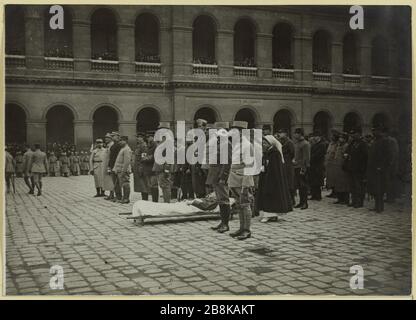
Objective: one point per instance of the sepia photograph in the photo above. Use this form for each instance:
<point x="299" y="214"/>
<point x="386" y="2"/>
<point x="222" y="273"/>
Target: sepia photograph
<point x="206" y="150"/>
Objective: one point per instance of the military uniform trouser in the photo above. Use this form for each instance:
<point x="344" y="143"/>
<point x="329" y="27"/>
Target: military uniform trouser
<point x="301" y="183"/>
<point x="123" y="181"/>
<point x="117" y="185"/>
<point x="243" y="206"/>
<point x="357" y="190"/>
<point x="165" y="183"/>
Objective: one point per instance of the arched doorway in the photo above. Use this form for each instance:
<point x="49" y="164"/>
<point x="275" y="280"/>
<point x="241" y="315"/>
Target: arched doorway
<point x="207" y="114"/>
<point x="247" y="115"/>
<point x="283" y="120"/>
<point x="147" y="120"/>
<point x="59" y="125"/>
<point x="105" y="120"/>
<point x="351" y="121"/>
<point x="322" y="123"/>
<point x="15" y="124"/>
<point x="380" y="119"/>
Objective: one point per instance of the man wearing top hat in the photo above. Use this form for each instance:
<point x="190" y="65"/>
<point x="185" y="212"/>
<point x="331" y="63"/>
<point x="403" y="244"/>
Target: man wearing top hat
<point x="239" y="183"/>
<point x="301" y="164"/>
<point x="108" y="183"/>
<point x="114" y="150"/>
<point x="122" y="168"/>
<point x="96" y="166"/>
<point x="356" y="157"/>
<point x="380" y="160"/>
<point x="164" y="171"/>
<point x="141" y="182"/>
<point x="218" y="175"/>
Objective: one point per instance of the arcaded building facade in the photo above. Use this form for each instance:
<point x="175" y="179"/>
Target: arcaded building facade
<point x="128" y="67"/>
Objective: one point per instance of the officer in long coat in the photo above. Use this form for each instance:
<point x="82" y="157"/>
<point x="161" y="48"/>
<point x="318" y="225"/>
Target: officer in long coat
<point x="84" y="163"/>
<point x="317" y="165"/>
<point x="141" y="182"/>
<point x="356" y="166"/>
<point x="108" y="184"/>
<point x="288" y="150"/>
<point x="53" y="164"/>
<point x="64" y="161"/>
<point x="148" y="162"/>
<point x="240" y="182"/>
<point x="19" y="164"/>
<point x="198" y="174"/>
<point x="218" y="175"/>
<point x="341" y="181"/>
<point x="28" y="178"/>
<point x="301" y="164"/>
<point x="329" y="163"/>
<point x="380" y="159"/>
<point x="96" y="165"/>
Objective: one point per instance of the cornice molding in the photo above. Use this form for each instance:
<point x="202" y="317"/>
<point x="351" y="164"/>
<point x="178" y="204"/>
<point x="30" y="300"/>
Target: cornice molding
<point x="178" y="84"/>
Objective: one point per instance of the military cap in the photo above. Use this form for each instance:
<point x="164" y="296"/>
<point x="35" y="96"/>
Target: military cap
<point x="108" y="135"/>
<point x="124" y="138"/>
<point x="201" y="122"/>
<point x="221" y="125"/>
<point x="115" y="133"/>
<point x="239" y="124"/>
<point x="300" y="131"/>
<point x="98" y="140"/>
<point x="282" y="130"/>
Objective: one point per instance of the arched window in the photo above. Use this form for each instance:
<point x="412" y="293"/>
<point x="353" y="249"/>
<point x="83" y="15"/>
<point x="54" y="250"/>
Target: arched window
<point x="350" y="54"/>
<point x="207" y="114"/>
<point x="147" y="38"/>
<point x="282" y="46"/>
<point x="203" y="40"/>
<point x="247" y="115"/>
<point x="380" y="119"/>
<point x="379" y="57"/>
<point x="58" y="42"/>
<point x="105" y="119"/>
<point x="15" y="124"/>
<point x="147" y="120"/>
<point x="60" y="125"/>
<point x="104" y="35"/>
<point x="351" y="121"/>
<point x="322" y="123"/>
<point x="15" y="30"/>
<point x="244" y="43"/>
<point x="283" y="120"/>
<point x="321" y="52"/>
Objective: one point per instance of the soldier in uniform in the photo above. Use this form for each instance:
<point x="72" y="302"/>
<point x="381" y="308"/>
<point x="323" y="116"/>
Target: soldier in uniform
<point x="84" y="163"/>
<point x="141" y="183"/>
<point x="114" y="150"/>
<point x="164" y="173"/>
<point x="10" y="165"/>
<point x="26" y="170"/>
<point x="329" y="163"/>
<point x="317" y="165"/>
<point x="341" y="181"/>
<point x="96" y="165"/>
<point x="198" y="175"/>
<point x="301" y="164"/>
<point x="218" y="175"/>
<point x="19" y="164"/>
<point x="63" y="159"/>
<point x="76" y="169"/>
<point x="108" y="184"/>
<point x="53" y="164"/>
<point x="288" y="150"/>
<point x="122" y="167"/>
<point x="38" y="166"/>
<point x="239" y="183"/>
<point x="148" y="161"/>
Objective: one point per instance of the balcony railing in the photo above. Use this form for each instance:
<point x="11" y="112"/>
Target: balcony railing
<point x="351" y="78"/>
<point x="380" y="80"/>
<point x="283" y="73"/>
<point x="104" y="65"/>
<point x="59" y="63"/>
<point x="148" y="67"/>
<point x="15" y="61"/>
<point x="321" y="76"/>
<point x="245" y="71"/>
<point x="205" y="69"/>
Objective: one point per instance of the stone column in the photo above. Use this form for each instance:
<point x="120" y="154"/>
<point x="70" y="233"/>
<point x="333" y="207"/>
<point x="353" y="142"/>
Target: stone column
<point x="337" y="63"/>
<point x="306" y="58"/>
<point x="225" y="52"/>
<point x="83" y="134"/>
<point x="36" y="132"/>
<point x="264" y="49"/>
<point x="128" y="128"/>
<point x="34" y="37"/>
<point x="126" y="48"/>
<point x="365" y="65"/>
<point x="182" y="50"/>
<point x="82" y="44"/>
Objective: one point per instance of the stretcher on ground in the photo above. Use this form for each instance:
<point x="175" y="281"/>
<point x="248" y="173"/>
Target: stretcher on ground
<point x="199" y="209"/>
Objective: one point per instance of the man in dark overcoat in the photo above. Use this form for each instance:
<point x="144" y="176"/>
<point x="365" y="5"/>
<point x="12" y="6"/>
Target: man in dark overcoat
<point x="317" y="168"/>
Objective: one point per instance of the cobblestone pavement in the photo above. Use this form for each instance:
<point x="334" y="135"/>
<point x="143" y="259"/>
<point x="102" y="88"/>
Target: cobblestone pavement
<point x="306" y="252"/>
